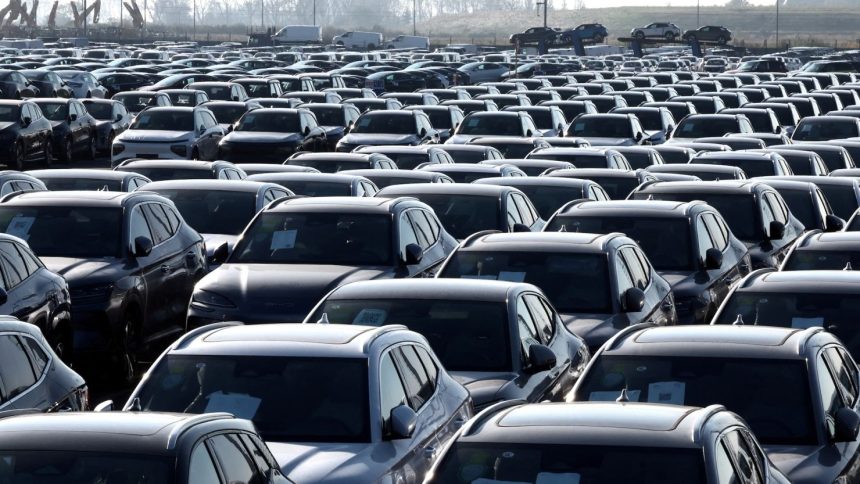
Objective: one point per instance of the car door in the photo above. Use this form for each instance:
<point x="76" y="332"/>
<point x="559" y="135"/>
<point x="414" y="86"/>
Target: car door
<point x="745" y="460"/>
<point x="205" y="135"/>
<point x="562" y="377"/>
<point x="174" y="272"/>
<point x="154" y="297"/>
<point x="404" y="456"/>
<point x="77" y="125"/>
<point x="780" y="214"/>
<point x="639" y="272"/>
<point x="428" y="231"/>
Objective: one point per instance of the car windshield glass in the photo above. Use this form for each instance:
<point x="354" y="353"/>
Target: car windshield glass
<point x="580" y="160"/>
<point x="439" y="119"/>
<point x="289" y="399"/>
<point x="800" y="204"/>
<point x="271" y="121"/>
<point x="317" y="238"/>
<point x="100" y="111"/>
<point x="772" y="395"/>
<point x="46" y="467"/>
<point x="666" y="241"/>
<point x="136" y="102"/>
<point x="317" y="188"/>
<point x="843" y="199"/>
<point x="463" y="215"/>
<point x="542" y="118"/>
<point x="220" y="93"/>
<point x="549" y="199"/>
<point x="164" y="121"/>
<point x="77" y="183"/>
<point x="706" y="127"/>
<point x="257" y="89"/>
<point x="469" y="463"/>
<point x="329" y="165"/>
<point x="167" y="173"/>
<point x="384" y="123"/>
<point x="466" y="156"/>
<point x="739" y="211"/>
<point x="616" y="187"/>
<point x="826" y="130"/>
<point x="512" y="150"/>
<point x="602" y="127"/>
<point x="226" y="114"/>
<point x="214" y="211"/>
<point x="465" y="335"/>
<point x="650" y="120"/>
<point x="8" y="114"/>
<point x="491" y="125"/>
<point x="54" y="111"/>
<point x="183" y="98"/>
<point x="66" y="231"/>
<point x="327" y="116"/>
<point x="557" y="274"/>
<point x="752" y="168"/>
<point x="408" y="161"/>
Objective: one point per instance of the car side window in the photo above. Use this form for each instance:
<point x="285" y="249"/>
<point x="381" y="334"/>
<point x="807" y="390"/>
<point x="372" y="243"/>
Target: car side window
<point x="526" y="212"/>
<point x="173" y="219"/>
<point x="638" y="271"/>
<point x="845" y="378"/>
<point x="407" y="233"/>
<point x="38" y="355"/>
<point x="234" y="461"/>
<point x="623" y="274"/>
<point x="767" y="214"/>
<point x="138" y="227"/>
<point x="744" y="457"/>
<point x="13" y="273"/>
<point x="703" y="238"/>
<point x="18" y="375"/>
<point x="422" y="229"/>
<point x="158" y="222"/>
<point x="718" y="233"/>
<point x="429" y="365"/>
<point x="513" y="213"/>
<point x="414" y="375"/>
<point x="827" y="388"/>
<point x="725" y="469"/>
<point x="391" y="392"/>
<point x="201" y="468"/>
<point x="254" y="450"/>
<point x="780" y="213"/>
<point x="527" y="328"/>
<point x="542" y="317"/>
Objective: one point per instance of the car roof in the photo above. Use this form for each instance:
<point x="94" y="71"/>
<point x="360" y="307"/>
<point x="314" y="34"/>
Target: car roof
<point x="129" y="165"/>
<point x="564" y="242"/>
<point x="535" y="181"/>
<point x="91" y="173"/>
<point x="725" y="186"/>
<point x="72" y="198"/>
<point x="633" y="208"/>
<point x="280" y="176"/>
<point x="436" y="289"/>
<point x="371" y="205"/>
<point x="824" y="282"/>
<point x="445" y="188"/>
<point x="595" y="172"/>
<point x="246" y="186"/>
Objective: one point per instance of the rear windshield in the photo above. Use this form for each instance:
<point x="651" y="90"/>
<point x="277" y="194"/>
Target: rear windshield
<point x="463" y="215"/>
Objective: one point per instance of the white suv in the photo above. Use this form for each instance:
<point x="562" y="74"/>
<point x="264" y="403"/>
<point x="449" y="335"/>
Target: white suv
<point x="169" y="133"/>
<point x="665" y="30"/>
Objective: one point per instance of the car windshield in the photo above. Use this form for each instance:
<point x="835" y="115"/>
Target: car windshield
<point x="513" y="149"/>
<point x="100" y="111"/>
<point x="54" y="111"/>
<point x="136" y="102"/>
<point x="164" y="121"/>
<point x="801" y="206"/>
<point x="465" y="156"/>
<point x="666" y="241"/>
<point x="317" y="238"/>
<point x="317" y="188"/>
<point x="616" y="187"/>
<point x="580" y="160"/>
<point x="330" y="165"/>
<point x="289" y="399"/>
<point x="557" y="274"/>
<point x="465" y="335"/>
<point x="217" y="93"/>
<point x="439" y="119"/>
<point x="48" y="467"/>
<point x="843" y="199"/>
<point x="826" y="130"/>
<point x="328" y="116"/>
<point x="752" y="168"/>
<point x="463" y="215"/>
<point x="651" y="120"/>
<point x="705" y="127"/>
<point x="226" y="114"/>
<point x="214" y="211"/>
<point x="739" y="211"/>
<point x="385" y="123"/>
<point x="270" y="121"/>
<point x="491" y="126"/>
<point x="772" y="395"/>
<point x="542" y="118"/>
<point x="8" y="114"/>
<point x="549" y="199"/>
<point x="77" y="183"/>
<point x="257" y="89"/>
<point x="408" y="161"/>
<point x="68" y="231"/>
<point x="468" y="463"/>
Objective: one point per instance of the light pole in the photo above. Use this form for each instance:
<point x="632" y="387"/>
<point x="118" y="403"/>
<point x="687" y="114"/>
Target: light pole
<point x="414" y="10"/>
<point x="698" y="8"/>
<point x="194" y="22"/>
<point x="315" y="12"/>
<point x="262" y="21"/>
<point x="777" y="24"/>
<point x="85" y="18"/>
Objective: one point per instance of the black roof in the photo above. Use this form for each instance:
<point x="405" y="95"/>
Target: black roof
<point x="77" y="198"/>
<point x="370" y="205"/>
<point x="418" y="189"/>
<point x="727" y="187"/>
<point x="450" y="289"/>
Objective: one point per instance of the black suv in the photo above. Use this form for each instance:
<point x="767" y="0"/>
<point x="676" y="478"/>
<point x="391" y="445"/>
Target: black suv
<point x="25" y="134"/>
<point x="689" y="244"/>
<point x="122" y="447"/>
<point x="535" y="34"/>
<point x="129" y="258"/>
<point x="709" y="33"/>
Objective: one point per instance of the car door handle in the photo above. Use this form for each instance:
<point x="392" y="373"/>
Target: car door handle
<point x="165" y="268"/>
<point x="429" y="452"/>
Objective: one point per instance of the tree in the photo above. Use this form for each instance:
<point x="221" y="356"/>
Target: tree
<point x="738" y="3"/>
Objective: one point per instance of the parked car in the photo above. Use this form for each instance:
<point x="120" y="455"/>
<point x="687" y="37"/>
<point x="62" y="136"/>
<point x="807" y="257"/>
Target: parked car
<point x="82" y="84"/>
<point x="72" y="127"/>
<point x="663" y="30"/>
<point x="169" y="132"/>
<point x="272" y="135"/>
<point x="111" y="118"/>
<point x="389" y="128"/>
<point x="89" y="179"/>
<point x="137" y="101"/>
<point x="25" y="134"/>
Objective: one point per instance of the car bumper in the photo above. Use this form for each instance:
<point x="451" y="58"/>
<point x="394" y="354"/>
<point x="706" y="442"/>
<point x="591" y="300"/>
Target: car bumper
<point x="155" y="151"/>
<point x="255" y="153"/>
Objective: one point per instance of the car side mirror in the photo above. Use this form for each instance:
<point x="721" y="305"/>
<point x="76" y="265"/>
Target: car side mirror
<point x="73" y="117"/>
<point x="118" y="118"/>
<point x="423" y="132"/>
<point x="229" y="128"/>
<point x="412" y="254"/>
<point x="403" y="421"/>
<point x="713" y="259"/>
<point x="307" y="130"/>
<point x="26" y="121"/>
<point x="541" y="358"/>
<point x="521" y="228"/>
<point x="832" y="223"/>
<point x="142" y="246"/>
<point x="201" y="129"/>
<point x="846" y="425"/>
<point x="529" y="133"/>
<point x="639" y="136"/>
<point x="28" y="92"/>
<point x="105" y="406"/>
<point x="633" y="300"/>
<point x="219" y="255"/>
<point x="235" y="98"/>
<point x="4" y="296"/>
<point x="776" y="230"/>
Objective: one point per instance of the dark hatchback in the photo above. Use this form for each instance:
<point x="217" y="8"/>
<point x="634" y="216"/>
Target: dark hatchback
<point x="272" y="135"/>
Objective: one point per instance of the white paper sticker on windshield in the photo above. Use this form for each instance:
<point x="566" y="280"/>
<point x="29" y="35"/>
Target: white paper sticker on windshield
<point x="283" y="239"/>
<point x="557" y="478"/>
<point x="612" y="395"/>
<point x="237" y="404"/>
<point x="488" y="277"/>
<point x="370" y="317"/>
<point x="668" y="392"/>
<point x="20" y="226"/>
<point x="803" y="323"/>
<point x="512" y="276"/>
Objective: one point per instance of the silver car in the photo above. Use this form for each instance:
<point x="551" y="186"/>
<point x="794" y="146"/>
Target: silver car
<point x="335" y="403"/>
<point x="484" y="71"/>
<point x="83" y="84"/>
<point x="169" y="133"/>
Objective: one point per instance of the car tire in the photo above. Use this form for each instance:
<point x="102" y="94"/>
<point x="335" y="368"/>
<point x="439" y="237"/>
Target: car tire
<point x="670" y="36"/>
<point x="93" y="151"/>
<point x="721" y="40"/>
<point x="371" y="46"/>
<point x="690" y="38"/>
<point x="195" y="155"/>
<point x="127" y="347"/>
<point x="47" y="154"/>
<point x="17" y="161"/>
<point x="65" y="154"/>
<point x="60" y="341"/>
<point x="109" y="142"/>
<point x="639" y="35"/>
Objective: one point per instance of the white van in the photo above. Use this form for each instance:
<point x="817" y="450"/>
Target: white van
<point x="358" y="40"/>
<point x="299" y="34"/>
<point x="408" y="42"/>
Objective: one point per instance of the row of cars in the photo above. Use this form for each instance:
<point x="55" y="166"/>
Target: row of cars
<point x="664" y="31"/>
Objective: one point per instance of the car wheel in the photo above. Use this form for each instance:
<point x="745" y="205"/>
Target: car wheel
<point x="18" y="157"/>
<point x="47" y="154"/>
<point x="721" y="40"/>
<point x="93" y="151"/>
<point x="691" y="38"/>
<point x="60" y="341"/>
<point x="195" y="155"/>
<point x="126" y="369"/>
<point x="65" y="154"/>
<point x="109" y="142"/>
<point x="670" y="36"/>
<point x="639" y="34"/>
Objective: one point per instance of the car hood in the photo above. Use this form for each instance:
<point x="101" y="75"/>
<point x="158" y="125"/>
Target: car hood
<point x="379" y="139"/>
<point x="154" y="136"/>
<point x="803" y="464"/>
<point x="595" y="329"/>
<point x="461" y="139"/>
<point x="601" y="141"/>
<point x="328" y="462"/>
<point x="333" y="130"/>
<point x="85" y="271"/>
<point x="261" y="137"/>
<point x="484" y="387"/>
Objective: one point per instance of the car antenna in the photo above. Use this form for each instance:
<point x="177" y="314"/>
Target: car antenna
<point x="739" y="321"/>
<point x="848" y="267"/>
<point x="623" y="398"/>
<point x="323" y="319"/>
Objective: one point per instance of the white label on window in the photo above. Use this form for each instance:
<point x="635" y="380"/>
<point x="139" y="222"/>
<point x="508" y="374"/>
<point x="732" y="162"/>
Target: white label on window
<point x="20" y="226"/>
<point x="283" y="239"/>
<point x="803" y="323"/>
<point x="668" y="392"/>
<point x="370" y="317"/>
<point x="238" y="404"/>
<point x="512" y="276"/>
<point x="612" y="395"/>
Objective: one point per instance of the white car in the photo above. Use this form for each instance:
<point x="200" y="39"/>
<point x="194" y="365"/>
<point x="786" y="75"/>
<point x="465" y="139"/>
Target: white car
<point x="169" y="133"/>
<point x="666" y="30"/>
<point x="83" y="84"/>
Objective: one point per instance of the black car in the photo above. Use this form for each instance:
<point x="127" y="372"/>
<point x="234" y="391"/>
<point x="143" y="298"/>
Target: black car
<point x="834" y="157"/>
<point x="842" y="193"/>
<point x="111" y="118"/>
<point x="13" y="85"/>
<point x="494" y="123"/>
<point x="583" y="158"/>
<point x="220" y="91"/>
<point x="25" y="134"/>
<point x="389" y="128"/>
<point x="298" y="249"/>
<point x="535" y="34"/>
<point x="385" y="178"/>
<point x="618" y="184"/>
<point x="117" y="82"/>
<point x="469" y="153"/>
<point x="755" y="213"/>
<point x="137" y="101"/>
<point x="74" y="129"/>
<point x="130" y="261"/>
<point x="640" y="157"/>
<point x="90" y="179"/>
<point x="821" y="251"/>
<point x="808" y="203"/>
<point x="501" y="340"/>
<point x="708" y="33"/>
<point x="364" y="104"/>
<point x="753" y="164"/>
<point x="656" y="122"/>
<point x="445" y="119"/>
<point x="335" y="119"/>
<point x="137" y="447"/>
<point x="49" y="83"/>
<point x="689" y="244"/>
<point x="272" y="135"/>
<point x="410" y="157"/>
<point x="531" y="167"/>
<point x="307" y="97"/>
<point x="469" y="172"/>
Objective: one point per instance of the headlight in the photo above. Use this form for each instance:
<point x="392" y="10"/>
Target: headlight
<point x="180" y="150"/>
<point x="101" y="292"/>
<point x="117" y="148"/>
<point x="207" y="298"/>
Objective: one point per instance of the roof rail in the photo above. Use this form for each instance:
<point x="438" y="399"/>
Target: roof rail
<point x="191" y="422"/>
<point x="752" y="275"/>
<point x="472" y="238"/>
<point x="10" y="196"/>
<point x="278" y="201"/>
<point x="808" y="333"/>
<point x="187" y="337"/>
<point x="381" y="331"/>
<point x="612" y="343"/>
<point x="19" y="411"/>
<point x="705" y="414"/>
<point x="484" y="415"/>
<point x="572" y="204"/>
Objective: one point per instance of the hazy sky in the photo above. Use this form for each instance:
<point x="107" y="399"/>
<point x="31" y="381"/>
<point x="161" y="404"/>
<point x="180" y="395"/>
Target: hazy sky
<point x="663" y="3"/>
